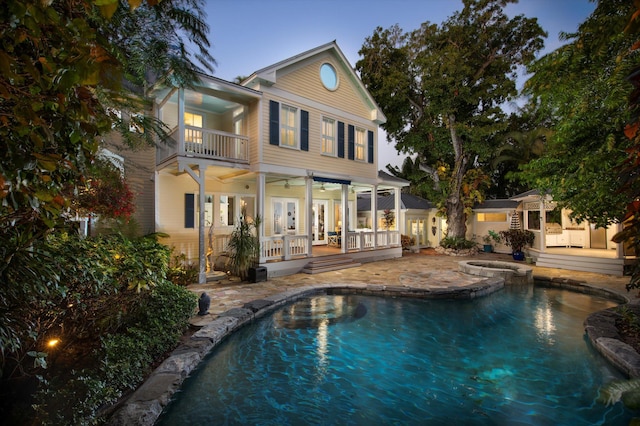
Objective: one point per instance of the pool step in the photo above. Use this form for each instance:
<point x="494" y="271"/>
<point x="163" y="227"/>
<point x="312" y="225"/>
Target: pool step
<point x="329" y="264"/>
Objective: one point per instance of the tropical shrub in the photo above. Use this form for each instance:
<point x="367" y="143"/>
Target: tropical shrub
<point x="109" y="304"/>
<point x="457" y="243"/>
<point x="517" y="239"/>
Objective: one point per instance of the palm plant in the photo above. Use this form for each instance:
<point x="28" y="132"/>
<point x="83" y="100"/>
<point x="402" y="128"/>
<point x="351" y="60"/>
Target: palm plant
<point x="244" y="245"/>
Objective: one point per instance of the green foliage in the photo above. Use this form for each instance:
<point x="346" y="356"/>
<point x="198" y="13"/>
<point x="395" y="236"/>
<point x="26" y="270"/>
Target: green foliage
<point x="101" y="280"/>
<point x="181" y="271"/>
<point x="244" y="245"/>
<point x="122" y="361"/>
<point x="457" y="243"/>
<point x="442" y="89"/>
<point x="61" y="81"/>
<point x="584" y="88"/>
<point x="492" y="237"/>
<point x="517" y="239"/>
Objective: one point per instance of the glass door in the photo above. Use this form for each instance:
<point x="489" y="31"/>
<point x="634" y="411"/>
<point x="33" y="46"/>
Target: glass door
<point x="318" y="222"/>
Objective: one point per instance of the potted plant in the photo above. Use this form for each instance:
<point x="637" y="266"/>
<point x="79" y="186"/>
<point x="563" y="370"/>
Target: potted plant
<point x="244" y="248"/>
<point x="491" y="237"/>
<point x="517" y="239"/>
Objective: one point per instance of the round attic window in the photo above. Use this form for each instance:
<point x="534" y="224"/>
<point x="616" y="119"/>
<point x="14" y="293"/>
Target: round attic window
<point x="329" y="76"/>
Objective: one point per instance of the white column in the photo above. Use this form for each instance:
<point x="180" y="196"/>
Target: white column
<point x="181" y="121"/>
<point x="374" y="214"/>
<point x="543" y="227"/>
<point x="200" y="179"/>
<point x="345" y="218"/>
<point x="308" y="219"/>
<point x="397" y="198"/>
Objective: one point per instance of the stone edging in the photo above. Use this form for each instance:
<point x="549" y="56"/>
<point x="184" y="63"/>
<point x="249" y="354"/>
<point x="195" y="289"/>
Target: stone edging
<point x="601" y="326"/>
<point x="513" y="273"/>
<point x="145" y="405"/>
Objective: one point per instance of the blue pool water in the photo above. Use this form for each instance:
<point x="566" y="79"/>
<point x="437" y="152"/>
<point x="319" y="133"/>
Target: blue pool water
<point x="517" y="357"/>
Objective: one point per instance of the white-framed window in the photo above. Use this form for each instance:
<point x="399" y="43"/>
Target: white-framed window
<point x="289" y="126"/>
<point x="491" y="217"/>
<point x="192" y="119"/>
<point x="328" y="136"/>
<point x="361" y="145"/>
<point x="227" y="210"/>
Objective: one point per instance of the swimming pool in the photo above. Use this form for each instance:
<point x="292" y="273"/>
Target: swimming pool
<point x="518" y="356"/>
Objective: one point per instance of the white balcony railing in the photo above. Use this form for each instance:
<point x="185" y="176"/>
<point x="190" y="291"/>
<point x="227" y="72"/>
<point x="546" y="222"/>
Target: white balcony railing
<point x="206" y="143"/>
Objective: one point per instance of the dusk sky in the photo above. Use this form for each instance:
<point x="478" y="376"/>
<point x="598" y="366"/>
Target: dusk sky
<point x="247" y="35"/>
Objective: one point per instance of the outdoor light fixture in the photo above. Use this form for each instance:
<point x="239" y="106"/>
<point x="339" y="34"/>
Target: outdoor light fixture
<point x="322" y="188"/>
<point x="53" y="342"/>
<point x="286" y="184"/>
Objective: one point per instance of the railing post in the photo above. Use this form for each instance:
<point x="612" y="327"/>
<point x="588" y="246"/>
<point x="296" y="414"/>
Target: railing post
<point x="286" y="249"/>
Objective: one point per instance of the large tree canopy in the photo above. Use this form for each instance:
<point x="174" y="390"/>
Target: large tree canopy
<point x="583" y="88"/>
<point x="442" y="88"/>
<point x="67" y="69"/>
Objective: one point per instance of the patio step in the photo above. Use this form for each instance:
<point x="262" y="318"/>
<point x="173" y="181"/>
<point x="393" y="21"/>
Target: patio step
<point x="582" y="263"/>
<point x="330" y="264"/>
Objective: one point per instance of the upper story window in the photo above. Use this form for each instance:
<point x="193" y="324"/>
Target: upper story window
<point x="328" y="136"/>
<point x="288" y="126"/>
<point x="329" y="76"/>
<point x="193" y="120"/>
<point x="361" y="145"/>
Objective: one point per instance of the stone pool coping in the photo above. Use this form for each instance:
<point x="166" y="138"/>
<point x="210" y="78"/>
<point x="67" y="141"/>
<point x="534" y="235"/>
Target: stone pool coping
<point x="513" y="273"/>
<point x="145" y="405"/>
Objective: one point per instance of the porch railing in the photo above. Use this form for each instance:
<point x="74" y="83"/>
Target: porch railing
<point x="363" y="240"/>
<point x="287" y="247"/>
<point x="206" y="143"/>
<point x="283" y="247"/>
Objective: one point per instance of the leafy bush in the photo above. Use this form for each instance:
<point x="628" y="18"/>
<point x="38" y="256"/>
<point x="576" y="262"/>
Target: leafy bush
<point x="457" y="243"/>
<point x="109" y="303"/>
<point x="123" y="359"/>
<point x="181" y="271"/>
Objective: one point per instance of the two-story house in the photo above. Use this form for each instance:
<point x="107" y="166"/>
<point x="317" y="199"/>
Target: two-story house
<point x="293" y="143"/>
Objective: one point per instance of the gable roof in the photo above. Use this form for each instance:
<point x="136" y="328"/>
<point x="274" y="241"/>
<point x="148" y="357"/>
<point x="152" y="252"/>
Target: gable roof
<point x="388" y="179"/>
<point x="500" y="204"/>
<point x="407" y="201"/>
<point x="268" y="75"/>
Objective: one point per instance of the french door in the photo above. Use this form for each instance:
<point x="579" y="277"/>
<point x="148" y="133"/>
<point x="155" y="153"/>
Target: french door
<point x="319" y="221"/>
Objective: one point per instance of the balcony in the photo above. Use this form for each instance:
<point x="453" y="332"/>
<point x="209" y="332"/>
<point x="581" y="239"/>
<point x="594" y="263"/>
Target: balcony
<point x="205" y="143"/>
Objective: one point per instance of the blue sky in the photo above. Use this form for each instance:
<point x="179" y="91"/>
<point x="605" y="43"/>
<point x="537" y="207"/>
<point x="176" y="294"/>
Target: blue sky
<point x="247" y="35"/>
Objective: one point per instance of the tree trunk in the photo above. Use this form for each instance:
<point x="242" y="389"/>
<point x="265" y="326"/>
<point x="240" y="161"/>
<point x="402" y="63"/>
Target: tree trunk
<point x="456" y="217"/>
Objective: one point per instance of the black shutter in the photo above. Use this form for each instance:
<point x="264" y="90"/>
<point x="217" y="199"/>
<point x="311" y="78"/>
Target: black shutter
<point x="274" y="123"/>
<point x="189" y="211"/>
<point x="351" y="136"/>
<point x="370" y="146"/>
<point x="304" y="130"/>
<point x="340" y="139"/>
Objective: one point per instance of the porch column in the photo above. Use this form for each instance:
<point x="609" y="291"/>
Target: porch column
<point x="543" y="228"/>
<point x="199" y="178"/>
<point x="374" y="215"/>
<point x="398" y="199"/>
<point x="345" y="219"/>
<point x="308" y="218"/>
<point x="181" y="121"/>
<point x="260" y="196"/>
